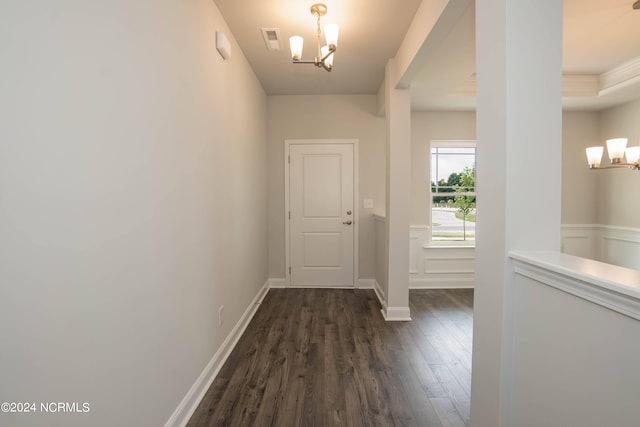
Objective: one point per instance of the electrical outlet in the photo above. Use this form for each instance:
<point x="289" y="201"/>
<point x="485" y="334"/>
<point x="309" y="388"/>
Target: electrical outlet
<point x="221" y="315"/>
<point x="368" y="203"/>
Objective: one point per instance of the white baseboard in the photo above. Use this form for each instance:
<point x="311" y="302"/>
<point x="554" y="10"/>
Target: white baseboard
<point x="366" y="283"/>
<point x="277" y="283"/>
<point x="391" y="314"/>
<point x="396" y="314"/>
<point x="424" y="283"/>
<point x="187" y="407"/>
<point x="380" y="294"/>
<point x="362" y="284"/>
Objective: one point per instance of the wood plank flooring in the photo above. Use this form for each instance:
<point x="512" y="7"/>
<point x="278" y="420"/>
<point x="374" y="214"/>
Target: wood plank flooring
<point x="326" y="357"/>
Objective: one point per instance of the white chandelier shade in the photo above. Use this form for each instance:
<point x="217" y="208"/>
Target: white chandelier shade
<point x="617" y="151"/>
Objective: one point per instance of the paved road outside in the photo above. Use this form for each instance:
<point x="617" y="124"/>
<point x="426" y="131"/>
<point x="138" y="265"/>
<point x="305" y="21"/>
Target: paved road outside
<point x="449" y="224"/>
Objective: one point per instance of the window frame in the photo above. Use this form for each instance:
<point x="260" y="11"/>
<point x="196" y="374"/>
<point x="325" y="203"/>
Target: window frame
<point x="457" y="143"/>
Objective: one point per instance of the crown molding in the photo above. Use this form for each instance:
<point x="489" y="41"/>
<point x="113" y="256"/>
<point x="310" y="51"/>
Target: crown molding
<point x="576" y="85"/>
<point x="572" y="86"/>
<point x="621" y="76"/>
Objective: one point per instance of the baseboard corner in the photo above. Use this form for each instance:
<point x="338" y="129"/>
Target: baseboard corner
<point x="396" y="314"/>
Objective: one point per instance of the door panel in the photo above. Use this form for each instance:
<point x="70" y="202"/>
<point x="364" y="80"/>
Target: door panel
<point x="322" y="197"/>
<point x="322" y="250"/>
<point x="321" y="205"/>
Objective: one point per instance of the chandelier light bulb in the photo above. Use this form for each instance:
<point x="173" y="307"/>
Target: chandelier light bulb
<point x="632" y="154"/>
<point x="331" y="34"/>
<point x="615" y="148"/>
<point x="295" y="44"/>
<point x="329" y="59"/>
<point x="594" y="156"/>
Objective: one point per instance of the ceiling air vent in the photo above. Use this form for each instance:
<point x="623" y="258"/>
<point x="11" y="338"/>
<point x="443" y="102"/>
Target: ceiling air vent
<point x="271" y="38"/>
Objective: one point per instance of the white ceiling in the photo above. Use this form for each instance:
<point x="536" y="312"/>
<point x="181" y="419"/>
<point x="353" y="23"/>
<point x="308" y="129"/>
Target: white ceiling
<point x="370" y="33"/>
<point x="600" y="36"/>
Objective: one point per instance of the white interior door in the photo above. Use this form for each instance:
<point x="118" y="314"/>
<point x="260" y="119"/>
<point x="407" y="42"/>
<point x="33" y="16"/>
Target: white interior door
<point x="321" y="205"/>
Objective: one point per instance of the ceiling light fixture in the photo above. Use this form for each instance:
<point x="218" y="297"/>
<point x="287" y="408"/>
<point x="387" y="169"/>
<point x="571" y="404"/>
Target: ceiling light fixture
<point x="617" y="150"/>
<point x="325" y="53"/>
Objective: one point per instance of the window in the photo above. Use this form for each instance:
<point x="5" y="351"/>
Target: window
<point x="453" y="192"/>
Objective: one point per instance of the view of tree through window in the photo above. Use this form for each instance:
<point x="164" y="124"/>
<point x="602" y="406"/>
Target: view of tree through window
<point x="453" y="191"/>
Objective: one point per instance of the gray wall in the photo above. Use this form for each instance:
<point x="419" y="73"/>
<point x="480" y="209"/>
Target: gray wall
<point x="426" y="127"/>
<point x="331" y="117"/>
<point x="618" y="191"/>
<point x="579" y="131"/>
<point x="133" y="203"/>
<point x="605" y="197"/>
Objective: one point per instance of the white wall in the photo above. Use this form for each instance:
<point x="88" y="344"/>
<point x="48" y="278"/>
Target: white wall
<point x="574" y="356"/>
<point x="133" y="203"/>
<point x="333" y="117"/>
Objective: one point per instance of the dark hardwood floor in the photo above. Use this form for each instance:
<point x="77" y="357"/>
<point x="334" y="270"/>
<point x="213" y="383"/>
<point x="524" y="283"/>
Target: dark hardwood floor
<point x="319" y="357"/>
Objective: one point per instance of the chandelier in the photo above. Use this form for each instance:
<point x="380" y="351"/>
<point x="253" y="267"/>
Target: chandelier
<point x="324" y="58"/>
<point x="617" y="150"/>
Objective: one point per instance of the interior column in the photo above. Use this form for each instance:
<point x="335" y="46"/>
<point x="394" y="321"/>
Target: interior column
<point x="519" y="140"/>
<point x="398" y="195"/>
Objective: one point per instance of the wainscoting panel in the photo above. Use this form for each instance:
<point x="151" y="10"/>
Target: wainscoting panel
<point x="613" y="245"/>
<point x="441" y="266"/>
<point x="381" y="263"/>
<point x="579" y="240"/>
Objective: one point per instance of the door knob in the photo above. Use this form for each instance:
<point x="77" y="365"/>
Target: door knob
<point x="347" y="222"/>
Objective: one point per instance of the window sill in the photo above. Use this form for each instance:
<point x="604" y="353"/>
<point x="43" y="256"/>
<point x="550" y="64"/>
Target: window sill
<point x="449" y="245"/>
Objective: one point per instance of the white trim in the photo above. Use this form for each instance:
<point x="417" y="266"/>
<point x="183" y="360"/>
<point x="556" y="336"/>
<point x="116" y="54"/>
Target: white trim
<point x="580" y="85"/>
<point x="439" y="267"/>
<point x="194" y="396"/>
<point x="594" y="241"/>
<point x="379" y="217"/>
<point x="618" y="76"/>
<point x="320" y="287"/>
<point x="427" y="283"/>
<point x="396" y="314"/>
<point x="429" y="242"/>
<point x="454" y="244"/>
<point x="427" y="272"/>
<point x="612" y="287"/>
<point x="380" y="294"/>
<point x="448" y="258"/>
<point x="282" y="283"/>
<point x="455" y="143"/>
<point x="277" y="283"/>
<point x="356" y="199"/>
<point x="366" y="283"/>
